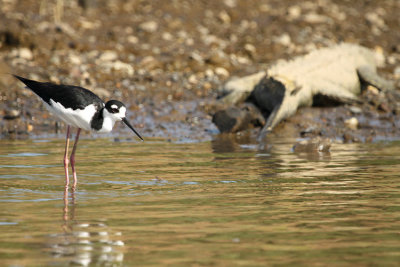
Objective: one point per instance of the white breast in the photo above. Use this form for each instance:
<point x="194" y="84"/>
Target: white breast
<point x="79" y="118"/>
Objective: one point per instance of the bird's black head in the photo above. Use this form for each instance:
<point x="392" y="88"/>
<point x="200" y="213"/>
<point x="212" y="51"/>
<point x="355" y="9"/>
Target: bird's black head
<point x="116" y="110"/>
<point x="115" y="107"/>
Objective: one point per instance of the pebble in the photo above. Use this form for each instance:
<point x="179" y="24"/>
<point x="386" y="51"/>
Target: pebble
<point x="219" y="58"/>
<point x="149" y="26"/>
<point x="55" y="60"/>
<point x="242" y="60"/>
<point x="315" y="18"/>
<point x="384" y="107"/>
<point x="193" y="79"/>
<point x="209" y="73"/>
<point x="230" y="3"/>
<point x="373" y="90"/>
<point x="118" y="66"/>
<point x="75" y="59"/>
<point x="391" y="60"/>
<point x="355" y="110"/>
<point x="108" y="55"/>
<point x="197" y="57"/>
<point x="150" y="63"/>
<point x="294" y="12"/>
<point x="351" y="123"/>
<point x="221" y="72"/>
<point x="396" y="72"/>
<point x="375" y="19"/>
<point x="283" y="39"/>
<point x="251" y="49"/>
<point x="133" y="39"/>
<point x="11" y="114"/>
<point x="167" y="36"/>
<point x="224" y="17"/>
<point x="125" y="67"/>
<point x="25" y="53"/>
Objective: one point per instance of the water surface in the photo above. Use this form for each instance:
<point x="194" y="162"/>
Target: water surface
<point x="219" y="203"/>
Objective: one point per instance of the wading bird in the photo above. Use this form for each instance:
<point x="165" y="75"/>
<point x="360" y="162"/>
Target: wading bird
<point x="80" y="108"/>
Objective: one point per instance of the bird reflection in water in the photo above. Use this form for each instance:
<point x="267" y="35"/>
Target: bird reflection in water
<point x="84" y="243"/>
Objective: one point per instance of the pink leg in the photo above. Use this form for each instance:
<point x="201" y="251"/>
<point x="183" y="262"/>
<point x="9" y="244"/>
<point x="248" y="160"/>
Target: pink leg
<point x="73" y="158"/>
<point x="66" y="158"/>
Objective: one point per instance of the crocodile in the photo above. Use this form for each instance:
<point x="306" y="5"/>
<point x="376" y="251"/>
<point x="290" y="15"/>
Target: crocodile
<point x="336" y="73"/>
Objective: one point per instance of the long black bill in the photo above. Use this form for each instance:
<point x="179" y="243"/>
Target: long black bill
<point x="130" y="126"/>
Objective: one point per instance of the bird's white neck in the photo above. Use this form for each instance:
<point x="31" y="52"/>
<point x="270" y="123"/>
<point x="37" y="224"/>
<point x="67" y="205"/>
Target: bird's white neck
<point x="108" y="122"/>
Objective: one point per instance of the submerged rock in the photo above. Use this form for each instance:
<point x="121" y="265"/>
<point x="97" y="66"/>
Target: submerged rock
<point x="236" y="119"/>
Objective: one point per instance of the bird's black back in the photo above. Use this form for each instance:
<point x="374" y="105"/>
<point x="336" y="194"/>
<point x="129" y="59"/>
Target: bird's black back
<point x="69" y="96"/>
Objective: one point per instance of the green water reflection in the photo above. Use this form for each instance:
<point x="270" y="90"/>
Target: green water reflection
<point x="222" y="203"/>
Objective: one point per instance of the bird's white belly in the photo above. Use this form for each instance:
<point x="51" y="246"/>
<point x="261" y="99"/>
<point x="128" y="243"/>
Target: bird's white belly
<point x="79" y="118"/>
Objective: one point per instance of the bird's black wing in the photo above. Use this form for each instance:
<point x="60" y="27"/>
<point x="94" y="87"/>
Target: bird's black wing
<point x="69" y="96"/>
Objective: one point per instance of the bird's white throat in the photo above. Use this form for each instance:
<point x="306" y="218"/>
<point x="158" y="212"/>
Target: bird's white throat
<point x="109" y="119"/>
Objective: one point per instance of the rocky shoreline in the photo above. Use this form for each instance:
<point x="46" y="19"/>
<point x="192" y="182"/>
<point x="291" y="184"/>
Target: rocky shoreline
<point x="168" y="61"/>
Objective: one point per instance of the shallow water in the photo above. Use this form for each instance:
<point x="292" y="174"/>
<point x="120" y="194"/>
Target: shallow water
<point x="219" y="203"/>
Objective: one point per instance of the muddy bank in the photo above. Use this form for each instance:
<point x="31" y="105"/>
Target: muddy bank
<point x="167" y="59"/>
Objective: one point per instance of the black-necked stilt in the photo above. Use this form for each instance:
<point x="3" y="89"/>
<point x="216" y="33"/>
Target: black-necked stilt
<point x="78" y="107"/>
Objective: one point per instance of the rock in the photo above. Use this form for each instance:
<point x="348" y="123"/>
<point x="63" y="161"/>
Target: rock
<point x="132" y="39"/>
<point x="196" y="57"/>
<point x="351" y="123"/>
<point x="218" y="58"/>
<point x="250" y="49"/>
<point x="5" y="80"/>
<point x="167" y="36"/>
<point x="150" y="63"/>
<point x="375" y="20"/>
<point x="350" y="138"/>
<point x="294" y="12"/>
<point x="124" y="67"/>
<point x="315" y="18"/>
<point x="384" y="106"/>
<point x="193" y="79"/>
<point x="25" y="53"/>
<point x="196" y="61"/>
<point x="355" y="110"/>
<point x="224" y="17"/>
<point x="118" y="66"/>
<point x="11" y="114"/>
<point x="235" y="119"/>
<point x="283" y="39"/>
<point x="149" y="26"/>
<point x="396" y="72"/>
<point x="209" y="73"/>
<point x="373" y="90"/>
<point x="221" y="72"/>
<point x="74" y="59"/>
<point x="108" y="55"/>
<point x="313" y="145"/>
<point x="230" y="3"/>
